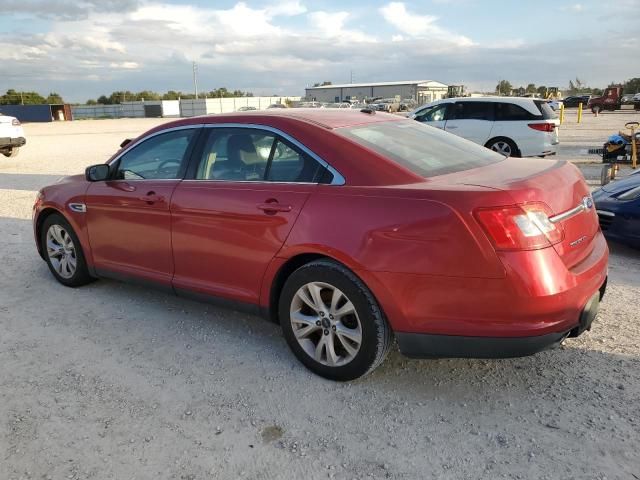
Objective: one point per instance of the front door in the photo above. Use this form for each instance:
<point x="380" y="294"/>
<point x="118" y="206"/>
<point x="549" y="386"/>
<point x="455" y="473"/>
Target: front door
<point x="234" y="214"/>
<point x="435" y="115"/>
<point x="128" y="216"/>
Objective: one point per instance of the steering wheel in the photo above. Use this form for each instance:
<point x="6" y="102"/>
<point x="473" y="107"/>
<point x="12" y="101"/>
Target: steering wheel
<point x="164" y="164"/>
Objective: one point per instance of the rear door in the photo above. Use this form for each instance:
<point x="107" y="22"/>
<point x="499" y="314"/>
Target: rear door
<point x="471" y="120"/>
<point x="232" y="215"/>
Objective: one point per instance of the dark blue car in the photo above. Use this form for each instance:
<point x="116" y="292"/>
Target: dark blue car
<point x="618" y="207"/>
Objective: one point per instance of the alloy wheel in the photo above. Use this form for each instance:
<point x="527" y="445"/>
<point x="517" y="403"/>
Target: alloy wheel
<point x="502" y="148"/>
<point x="61" y="251"/>
<point x="326" y="324"/>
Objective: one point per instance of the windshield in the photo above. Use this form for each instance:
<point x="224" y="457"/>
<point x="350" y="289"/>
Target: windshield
<point x="425" y="150"/>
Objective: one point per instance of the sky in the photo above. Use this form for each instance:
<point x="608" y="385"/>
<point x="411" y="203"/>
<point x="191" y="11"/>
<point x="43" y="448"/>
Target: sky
<point x="85" y="48"/>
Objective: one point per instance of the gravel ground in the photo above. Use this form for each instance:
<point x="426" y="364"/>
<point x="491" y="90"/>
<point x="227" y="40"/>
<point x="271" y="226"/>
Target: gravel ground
<point x="113" y="381"/>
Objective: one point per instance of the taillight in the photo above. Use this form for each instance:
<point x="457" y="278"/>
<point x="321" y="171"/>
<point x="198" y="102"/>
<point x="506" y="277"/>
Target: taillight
<point x="520" y="227"/>
<point x="15" y="122"/>
<point x="543" y="127"/>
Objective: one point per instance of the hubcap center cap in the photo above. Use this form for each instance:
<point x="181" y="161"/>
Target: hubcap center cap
<point x="326" y="323"/>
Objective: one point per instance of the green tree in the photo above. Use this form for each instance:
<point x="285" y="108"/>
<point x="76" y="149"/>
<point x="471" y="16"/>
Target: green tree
<point x="531" y="88"/>
<point x="54" y="98"/>
<point x="504" y="87"/>
<point x="632" y="85"/>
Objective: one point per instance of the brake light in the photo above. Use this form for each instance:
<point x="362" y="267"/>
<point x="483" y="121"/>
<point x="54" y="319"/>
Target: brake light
<point x="520" y="227"/>
<point x="543" y="127"/>
<point x="15" y="122"/>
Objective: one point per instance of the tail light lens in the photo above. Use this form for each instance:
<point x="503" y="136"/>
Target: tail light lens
<point x="15" y="122"/>
<point x="543" y="127"/>
<point x="520" y="227"/>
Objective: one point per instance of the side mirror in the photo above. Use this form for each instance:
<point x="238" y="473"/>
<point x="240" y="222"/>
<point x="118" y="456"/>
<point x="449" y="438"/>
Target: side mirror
<point x="97" y="173"/>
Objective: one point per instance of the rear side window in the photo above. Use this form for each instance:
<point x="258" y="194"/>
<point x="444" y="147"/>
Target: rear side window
<point x="546" y="111"/>
<point x="473" y="111"/>
<point x="424" y="150"/>
<point x="512" y="112"/>
<point x="246" y="155"/>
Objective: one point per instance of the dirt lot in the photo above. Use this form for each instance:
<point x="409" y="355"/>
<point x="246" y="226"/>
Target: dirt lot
<point x="112" y="381"/>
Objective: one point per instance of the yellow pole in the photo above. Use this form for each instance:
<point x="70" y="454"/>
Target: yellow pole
<point x="561" y="113"/>
<point x="580" y="112"/>
<point x="634" y="149"/>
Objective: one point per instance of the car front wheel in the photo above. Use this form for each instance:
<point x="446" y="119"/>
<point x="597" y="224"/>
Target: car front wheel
<point x="63" y="253"/>
<point x="332" y="322"/>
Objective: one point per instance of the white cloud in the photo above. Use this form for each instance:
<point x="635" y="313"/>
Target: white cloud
<point x="265" y="49"/>
<point x="416" y="25"/>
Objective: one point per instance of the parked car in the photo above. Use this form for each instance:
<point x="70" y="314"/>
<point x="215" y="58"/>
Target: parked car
<point x="627" y="99"/>
<point x="575" y="101"/>
<point x="277" y="105"/>
<point x="246" y="109"/>
<point x="618" y="208"/>
<point x="511" y="126"/>
<point x="346" y="227"/>
<point x="11" y="136"/>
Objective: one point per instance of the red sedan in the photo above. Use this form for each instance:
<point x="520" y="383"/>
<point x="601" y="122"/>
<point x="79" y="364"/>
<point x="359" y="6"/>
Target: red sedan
<point x="346" y="227"/>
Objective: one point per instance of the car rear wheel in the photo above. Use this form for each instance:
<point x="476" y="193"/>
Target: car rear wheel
<point x="10" y="152"/>
<point x="504" y="146"/>
<point x="332" y="322"/>
<point x="63" y="253"/>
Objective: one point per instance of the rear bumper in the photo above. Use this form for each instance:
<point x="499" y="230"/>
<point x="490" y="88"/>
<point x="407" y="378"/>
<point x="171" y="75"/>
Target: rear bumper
<point x="538" y="296"/>
<point x="419" y="345"/>
<point x="12" y="142"/>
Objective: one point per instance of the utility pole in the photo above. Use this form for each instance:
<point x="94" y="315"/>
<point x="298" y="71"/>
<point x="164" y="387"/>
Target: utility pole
<point x="351" y="71"/>
<point x="21" y="99"/>
<point x="195" y="79"/>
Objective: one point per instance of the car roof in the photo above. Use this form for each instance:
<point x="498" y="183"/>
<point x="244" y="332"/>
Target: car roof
<point x="328" y="118"/>
<point x="527" y="103"/>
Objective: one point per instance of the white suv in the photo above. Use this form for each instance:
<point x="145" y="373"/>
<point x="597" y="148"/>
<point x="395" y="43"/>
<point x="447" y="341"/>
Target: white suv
<point x="11" y="136"/>
<point x="516" y="127"/>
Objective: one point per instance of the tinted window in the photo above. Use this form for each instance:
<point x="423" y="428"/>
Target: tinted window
<point x="473" y="111"/>
<point x="425" y="150"/>
<point x="436" y="113"/>
<point x="546" y="111"/>
<point x="253" y="155"/>
<point x="160" y="157"/>
<point x="512" y="112"/>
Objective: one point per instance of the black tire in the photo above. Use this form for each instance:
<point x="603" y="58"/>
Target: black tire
<point x="596" y="109"/>
<point x="494" y="142"/>
<point x="81" y="274"/>
<point x="376" y="333"/>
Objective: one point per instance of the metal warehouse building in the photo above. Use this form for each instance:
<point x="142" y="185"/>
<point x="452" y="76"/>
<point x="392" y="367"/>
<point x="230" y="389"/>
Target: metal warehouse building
<point x="422" y="91"/>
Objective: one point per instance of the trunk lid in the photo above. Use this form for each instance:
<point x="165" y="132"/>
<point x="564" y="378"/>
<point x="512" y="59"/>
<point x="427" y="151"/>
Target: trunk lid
<point x="558" y="184"/>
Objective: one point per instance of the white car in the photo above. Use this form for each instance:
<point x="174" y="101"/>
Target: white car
<point x="11" y="136"/>
<point x="512" y="126"/>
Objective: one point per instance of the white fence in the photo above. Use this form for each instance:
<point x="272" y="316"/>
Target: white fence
<point x="175" y="108"/>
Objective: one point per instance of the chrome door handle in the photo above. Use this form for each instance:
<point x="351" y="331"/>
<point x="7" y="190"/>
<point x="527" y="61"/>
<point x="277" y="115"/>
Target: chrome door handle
<point x="273" y="207"/>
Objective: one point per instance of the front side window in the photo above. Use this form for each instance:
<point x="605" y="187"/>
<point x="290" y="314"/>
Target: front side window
<point x="245" y="155"/>
<point x="422" y="149"/>
<point x="437" y="113"/>
<point x="160" y="157"/>
<point x="473" y="111"/>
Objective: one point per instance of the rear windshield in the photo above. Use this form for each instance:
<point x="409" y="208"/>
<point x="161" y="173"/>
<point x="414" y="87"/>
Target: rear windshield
<point x="546" y="110"/>
<point x="425" y="150"/>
